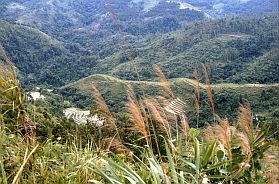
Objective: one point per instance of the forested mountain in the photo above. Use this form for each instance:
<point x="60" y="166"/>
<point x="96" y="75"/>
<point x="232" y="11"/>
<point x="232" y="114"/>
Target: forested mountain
<point x="80" y="38"/>
<point x="230" y="48"/>
<point x="227" y="46"/>
<point x="136" y="17"/>
<point x="57" y="17"/>
<point x="237" y="7"/>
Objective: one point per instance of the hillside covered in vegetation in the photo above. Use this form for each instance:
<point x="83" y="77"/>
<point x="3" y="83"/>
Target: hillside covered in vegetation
<point x="153" y="143"/>
<point x="139" y="91"/>
<point x="244" y="43"/>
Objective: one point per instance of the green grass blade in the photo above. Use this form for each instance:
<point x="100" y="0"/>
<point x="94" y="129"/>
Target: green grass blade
<point x="171" y="163"/>
<point x="197" y="157"/>
<point x="208" y="154"/>
<point x="126" y="169"/>
<point x="104" y="175"/>
<point x="193" y="166"/>
<point x="3" y="178"/>
<point x="216" y="166"/>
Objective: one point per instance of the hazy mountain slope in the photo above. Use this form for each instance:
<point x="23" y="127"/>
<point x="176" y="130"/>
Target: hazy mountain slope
<point x="56" y="16"/>
<point x="219" y="7"/>
<point x="136" y="17"/>
<point x="236" y="7"/>
<point x="228" y="47"/>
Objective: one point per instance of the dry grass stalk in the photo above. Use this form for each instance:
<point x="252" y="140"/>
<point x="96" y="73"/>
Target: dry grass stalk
<point x="164" y="82"/>
<point x="224" y="134"/>
<point x="29" y="128"/>
<point x="246" y="136"/>
<point x="116" y="146"/>
<point x="244" y="118"/>
<point x="185" y="125"/>
<point x="134" y="108"/>
<point x="156" y="112"/>
<point x="198" y="90"/>
<point x="110" y="122"/>
<point x="272" y="164"/>
<point x="163" y="100"/>
<point x="245" y="122"/>
<point x="140" y="103"/>
<point x="145" y="118"/>
<point x="197" y="96"/>
<point x="244" y="144"/>
<point x="163" y="103"/>
<point x="100" y="100"/>
<point x="176" y="108"/>
<point x="170" y="118"/>
<point x="209" y="133"/>
<point x="209" y="89"/>
<point x="26" y="158"/>
<point x="148" y="102"/>
<point x="248" y="153"/>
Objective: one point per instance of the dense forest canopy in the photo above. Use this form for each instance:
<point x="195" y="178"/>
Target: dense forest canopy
<point x="230" y="47"/>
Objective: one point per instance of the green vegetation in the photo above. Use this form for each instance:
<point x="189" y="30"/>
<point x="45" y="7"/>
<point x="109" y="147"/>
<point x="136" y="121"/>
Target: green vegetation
<point x="237" y="7"/>
<point x="63" y="18"/>
<point x="264" y="98"/>
<point x="211" y="115"/>
<point x="232" y="49"/>
<point x="159" y="147"/>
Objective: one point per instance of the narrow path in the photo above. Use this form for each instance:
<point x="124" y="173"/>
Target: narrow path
<point x="111" y="79"/>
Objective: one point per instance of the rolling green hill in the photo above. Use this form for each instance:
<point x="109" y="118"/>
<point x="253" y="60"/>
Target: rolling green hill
<point x="264" y="98"/>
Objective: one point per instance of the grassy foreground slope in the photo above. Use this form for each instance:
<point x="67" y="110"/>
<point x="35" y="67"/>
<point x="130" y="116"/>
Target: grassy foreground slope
<point x="101" y="154"/>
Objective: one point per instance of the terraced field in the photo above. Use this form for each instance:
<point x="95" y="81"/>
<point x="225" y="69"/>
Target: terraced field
<point x="264" y="98"/>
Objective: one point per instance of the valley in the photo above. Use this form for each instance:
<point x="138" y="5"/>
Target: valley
<point x="63" y="62"/>
<point x="139" y="91"/>
<point x="72" y="66"/>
